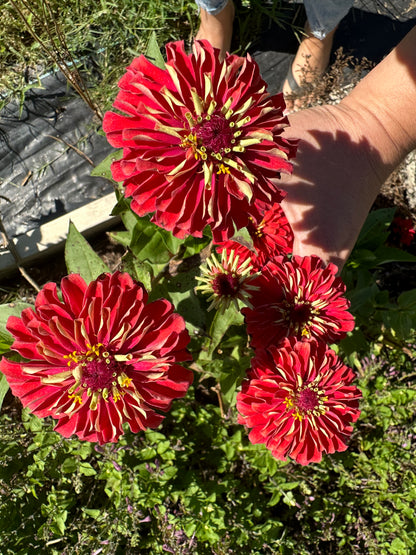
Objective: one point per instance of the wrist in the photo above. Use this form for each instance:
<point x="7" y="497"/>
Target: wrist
<point x="383" y="106"/>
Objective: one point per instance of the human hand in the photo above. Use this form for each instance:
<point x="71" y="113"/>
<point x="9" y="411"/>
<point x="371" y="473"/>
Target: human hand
<point x="336" y="177"/>
<point x="346" y="152"/>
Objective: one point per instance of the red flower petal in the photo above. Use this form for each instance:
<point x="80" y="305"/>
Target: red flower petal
<point x="272" y="236"/>
<point x="99" y="358"/>
<point x="299" y="401"/>
<point x="300" y="298"/>
<point x="209" y="135"/>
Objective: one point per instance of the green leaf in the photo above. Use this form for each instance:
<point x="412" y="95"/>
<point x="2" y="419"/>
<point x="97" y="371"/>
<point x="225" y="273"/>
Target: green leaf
<point x="153" y="52"/>
<point x="122" y="206"/>
<point x="93" y="513"/>
<point x="375" y="229"/>
<point x="243" y="237"/>
<point x="4" y="388"/>
<point x="363" y="299"/>
<point x="103" y="169"/>
<point x="7" y="310"/>
<point x="407" y="300"/>
<point x="147" y="242"/>
<point x="401" y="323"/>
<point x="220" y="324"/>
<point x="194" y="245"/>
<point x="122" y="237"/>
<point x="80" y="258"/>
<point x="60" y="521"/>
<point x="70" y="465"/>
<point x="130" y="220"/>
<point x="355" y="341"/>
<point x="385" y="255"/>
<point x="86" y="469"/>
<point x="362" y="258"/>
<point x="231" y="378"/>
<point x="179" y="290"/>
<point x="140" y="271"/>
<point x="398" y="546"/>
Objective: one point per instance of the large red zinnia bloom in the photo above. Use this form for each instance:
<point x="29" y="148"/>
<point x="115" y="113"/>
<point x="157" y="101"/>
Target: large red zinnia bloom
<point x="299" y="401"/>
<point x="300" y="298"/>
<point x="272" y="236"/>
<point x="98" y="358"/>
<point x="201" y="140"/>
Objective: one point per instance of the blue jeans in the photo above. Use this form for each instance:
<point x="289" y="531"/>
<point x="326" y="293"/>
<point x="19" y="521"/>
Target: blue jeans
<point x="323" y="15"/>
<point x="213" y="7"/>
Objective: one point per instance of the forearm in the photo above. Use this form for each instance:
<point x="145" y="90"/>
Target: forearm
<point x="346" y="152"/>
<point x="383" y="106"/>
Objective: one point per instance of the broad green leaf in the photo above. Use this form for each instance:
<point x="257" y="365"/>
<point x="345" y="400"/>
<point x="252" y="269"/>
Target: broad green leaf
<point x="140" y="231"/>
<point x="375" y="229"/>
<point x="401" y="323"/>
<point x="140" y="271"/>
<point x="147" y="243"/>
<point x="354" y="342"/>
<point x="86" y="469"/>
<point x="103" y="169"/>
<point x="220" y="324"/>
<point x="194" y="245"/>
<point x="6" y="310"/>
<point x="80" y="258"/>
<point x="188" y="306"/>
<point x="4" y="388"/>
<point x="70" y="465"/>
<point x="153" y="52"/>
<point x="122" y="205"/>
<point x="183" y="247"/>
<point x="385" y="255"/>
<point x="179" y="290"/>
<point x="172" y="243"/>
<point x="243" y="237"/>
<point x="231" y="378"/>
<point x="363" y="298"/>
<point x="130" y="219"/>
<point x="407" y="300"/>
<point x="398" y="546"/>
<point x="122" y="237"/>
<point x="362" y="258"/>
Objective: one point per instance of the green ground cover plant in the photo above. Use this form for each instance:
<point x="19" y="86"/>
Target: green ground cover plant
<point x="196" y="484"/>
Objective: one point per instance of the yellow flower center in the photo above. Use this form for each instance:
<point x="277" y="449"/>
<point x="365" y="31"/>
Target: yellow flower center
<point x="99" y="373"/>
<point x="307" y="401"/>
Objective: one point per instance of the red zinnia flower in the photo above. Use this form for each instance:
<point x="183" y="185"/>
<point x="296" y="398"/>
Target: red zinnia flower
<point x="201" y="140"/>
<point x="300" y="298"/>
<point x="299" y="401"/>
<point x="99" y="358"/>
<point x="271" y="237"/>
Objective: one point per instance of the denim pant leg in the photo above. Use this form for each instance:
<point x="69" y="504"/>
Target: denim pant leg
<point x="324" y="15"/>
<point x="213" y="7"/>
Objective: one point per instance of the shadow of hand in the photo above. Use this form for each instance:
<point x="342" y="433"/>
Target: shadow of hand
<point x="336" y="177"/>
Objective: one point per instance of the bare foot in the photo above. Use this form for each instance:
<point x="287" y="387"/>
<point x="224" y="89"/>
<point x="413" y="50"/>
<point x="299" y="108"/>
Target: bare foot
<point x="218" y="29"/>
<point x="310" y="62"/>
